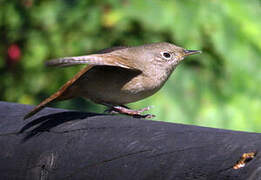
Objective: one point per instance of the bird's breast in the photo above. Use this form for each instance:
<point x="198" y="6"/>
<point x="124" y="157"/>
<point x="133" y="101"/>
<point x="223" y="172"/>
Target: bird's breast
<point x="114" y="85"/>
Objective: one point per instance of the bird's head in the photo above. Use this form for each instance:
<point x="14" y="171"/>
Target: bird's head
<point x="169" y="53"/>
<point x="165" y="56"/>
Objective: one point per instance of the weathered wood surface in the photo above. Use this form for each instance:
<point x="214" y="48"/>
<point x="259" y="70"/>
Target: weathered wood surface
<point x="59" y="144"/>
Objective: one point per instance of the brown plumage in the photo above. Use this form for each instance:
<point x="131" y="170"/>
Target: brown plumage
<point x="118" y="76"/>
<point x="59" y="95"/>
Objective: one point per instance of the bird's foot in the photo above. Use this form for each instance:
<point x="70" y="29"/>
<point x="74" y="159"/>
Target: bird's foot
<point x="130" y="112"/>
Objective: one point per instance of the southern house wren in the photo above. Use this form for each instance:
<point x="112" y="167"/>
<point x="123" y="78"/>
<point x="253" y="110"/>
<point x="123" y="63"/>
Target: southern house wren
<point x="118" y="76"/>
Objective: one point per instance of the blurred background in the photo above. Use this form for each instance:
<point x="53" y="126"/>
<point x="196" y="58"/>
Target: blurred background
<point x="219" y="88"/>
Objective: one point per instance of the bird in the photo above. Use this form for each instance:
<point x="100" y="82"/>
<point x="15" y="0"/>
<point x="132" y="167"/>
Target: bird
<point x="118" y="76"/>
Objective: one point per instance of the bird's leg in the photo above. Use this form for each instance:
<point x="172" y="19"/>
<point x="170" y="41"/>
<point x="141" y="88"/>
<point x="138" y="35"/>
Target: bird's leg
<point x="125" y="110"/>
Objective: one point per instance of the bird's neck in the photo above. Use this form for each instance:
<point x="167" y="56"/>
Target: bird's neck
<point x="157" y="77"/>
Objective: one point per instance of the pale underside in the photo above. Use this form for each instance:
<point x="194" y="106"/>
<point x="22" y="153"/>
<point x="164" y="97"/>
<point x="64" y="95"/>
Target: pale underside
<point x="112" y="85"/>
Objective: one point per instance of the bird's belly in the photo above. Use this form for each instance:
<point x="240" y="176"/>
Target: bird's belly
<point x="116" y="97"/>
<point x="115" y="94"/>
<point x="113" y="86"/>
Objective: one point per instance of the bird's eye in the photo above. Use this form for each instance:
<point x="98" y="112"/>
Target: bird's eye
<point x="166" y="55"/>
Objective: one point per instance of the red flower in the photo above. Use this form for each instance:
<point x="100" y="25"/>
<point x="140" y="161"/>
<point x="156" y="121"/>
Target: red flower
<point x="14" y="53"/>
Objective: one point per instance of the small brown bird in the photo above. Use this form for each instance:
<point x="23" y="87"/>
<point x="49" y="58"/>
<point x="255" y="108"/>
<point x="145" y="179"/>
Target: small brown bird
<point x="118" y="76"/>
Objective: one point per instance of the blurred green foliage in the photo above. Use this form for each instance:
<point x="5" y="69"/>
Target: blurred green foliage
<point x="219" y="88"/>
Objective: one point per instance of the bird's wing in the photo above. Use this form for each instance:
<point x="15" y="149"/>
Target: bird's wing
<point x="107" y="59"/>
<point x="109" y="50"/>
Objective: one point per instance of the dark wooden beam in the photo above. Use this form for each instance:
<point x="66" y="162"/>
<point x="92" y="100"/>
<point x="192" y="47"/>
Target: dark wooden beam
<point x="60" y="144"/>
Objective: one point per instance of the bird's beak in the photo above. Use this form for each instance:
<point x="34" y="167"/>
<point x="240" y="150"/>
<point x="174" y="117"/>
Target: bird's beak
<point x="191" y="52"/>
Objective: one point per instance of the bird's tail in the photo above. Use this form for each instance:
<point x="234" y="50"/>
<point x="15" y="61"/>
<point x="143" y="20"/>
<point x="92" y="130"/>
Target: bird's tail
<point x="62" y="94"/>
<point x="39" y="107"/>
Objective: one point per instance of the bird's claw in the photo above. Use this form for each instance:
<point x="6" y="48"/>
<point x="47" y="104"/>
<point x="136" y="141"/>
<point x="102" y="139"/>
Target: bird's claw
<point x="130" y="112"/>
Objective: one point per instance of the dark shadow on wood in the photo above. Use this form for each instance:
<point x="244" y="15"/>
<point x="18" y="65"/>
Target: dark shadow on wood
<point x="45" y="123"/>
